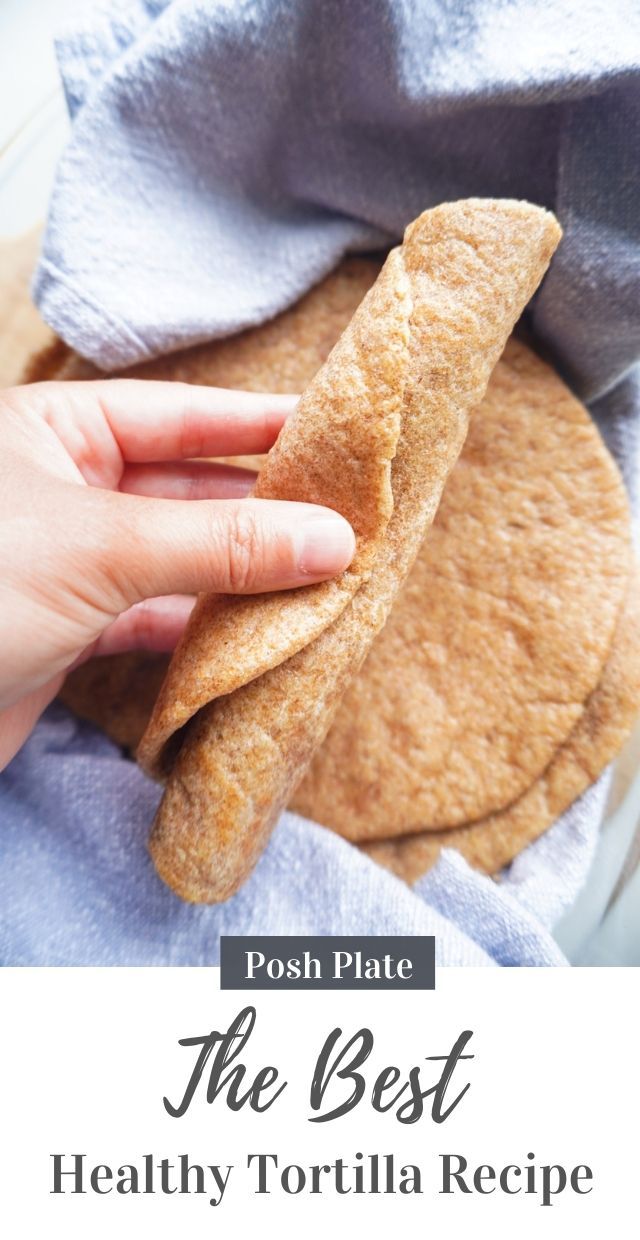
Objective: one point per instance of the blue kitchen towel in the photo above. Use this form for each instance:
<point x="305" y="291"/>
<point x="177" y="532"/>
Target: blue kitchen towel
<point x="223" y="156"/>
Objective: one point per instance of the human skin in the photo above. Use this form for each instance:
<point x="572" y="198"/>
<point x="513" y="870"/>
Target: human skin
<point x="109" y="526"/>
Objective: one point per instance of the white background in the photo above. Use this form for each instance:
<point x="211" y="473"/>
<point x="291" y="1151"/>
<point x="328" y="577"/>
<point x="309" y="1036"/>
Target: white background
<point x="87" y="1056"/>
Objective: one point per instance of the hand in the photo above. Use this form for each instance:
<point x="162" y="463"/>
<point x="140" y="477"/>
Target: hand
<point x="99" y="550"/>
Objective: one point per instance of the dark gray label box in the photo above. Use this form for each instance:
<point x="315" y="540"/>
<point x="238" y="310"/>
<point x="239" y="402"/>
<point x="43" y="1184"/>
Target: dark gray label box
<point x="308" y="962"/>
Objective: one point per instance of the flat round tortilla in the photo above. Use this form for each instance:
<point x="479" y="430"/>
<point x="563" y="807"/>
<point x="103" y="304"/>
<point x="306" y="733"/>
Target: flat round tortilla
<point x="501" y="631"/>
<point x="600" y="733"/>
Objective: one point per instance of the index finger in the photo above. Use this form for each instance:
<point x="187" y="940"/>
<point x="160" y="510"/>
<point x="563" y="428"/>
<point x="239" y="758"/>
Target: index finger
<point x="152" y="420"/>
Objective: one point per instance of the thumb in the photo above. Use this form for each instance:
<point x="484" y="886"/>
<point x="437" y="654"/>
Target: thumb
<point x="242" y="546"/>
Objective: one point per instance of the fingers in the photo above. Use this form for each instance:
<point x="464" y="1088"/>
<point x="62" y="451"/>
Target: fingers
<point x="195" y="480"/>
<point x="155" y="625"/>
<point x="155" y="421"/>
<point x="156" y="547"/>
<point x="106" y="422"/>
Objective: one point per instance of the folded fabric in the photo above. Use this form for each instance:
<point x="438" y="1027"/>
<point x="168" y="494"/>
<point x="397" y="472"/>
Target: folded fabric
<point x="229" y="154"/>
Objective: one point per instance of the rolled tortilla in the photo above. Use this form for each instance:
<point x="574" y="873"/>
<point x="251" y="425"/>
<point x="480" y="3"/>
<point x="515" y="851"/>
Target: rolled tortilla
<point x="256" y="681"/>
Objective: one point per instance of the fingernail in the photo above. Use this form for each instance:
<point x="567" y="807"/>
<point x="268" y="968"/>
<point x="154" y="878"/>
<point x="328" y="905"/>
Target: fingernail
<point x="325" y="546"/>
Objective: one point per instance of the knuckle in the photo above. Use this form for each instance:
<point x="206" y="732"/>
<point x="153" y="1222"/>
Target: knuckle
<point x="244" y="550"/>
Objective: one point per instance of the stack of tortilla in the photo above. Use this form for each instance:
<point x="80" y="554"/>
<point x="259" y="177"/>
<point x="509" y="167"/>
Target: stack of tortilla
<point x="508" y="671"/>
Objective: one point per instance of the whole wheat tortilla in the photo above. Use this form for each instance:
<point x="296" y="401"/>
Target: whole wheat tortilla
<point x="501" y="631"/>
<point x="412" y="364"/>
<point x="598" y="736"/>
